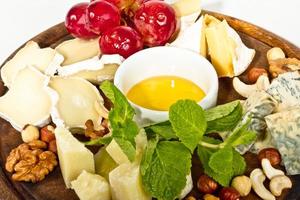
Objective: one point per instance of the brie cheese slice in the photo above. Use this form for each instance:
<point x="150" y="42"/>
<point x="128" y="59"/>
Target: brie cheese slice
<point x="94" y="70"/>
<point x="78" y="100"/>
<point x="29" y="100"/>
<point x="46" y="60"/>
<point x="76" y="50"/>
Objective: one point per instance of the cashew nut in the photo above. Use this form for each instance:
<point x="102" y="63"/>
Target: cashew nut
<point x="270" y="171"/>
<point x="279" y="183"/>
<point x="275" y="53"/>
<point x="245" y="90"/>
<point x="257" y="178"/>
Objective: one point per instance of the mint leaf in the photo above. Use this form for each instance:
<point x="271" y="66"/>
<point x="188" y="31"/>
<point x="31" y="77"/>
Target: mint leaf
<point x="164" y="129"/>
<point x="188" y="122"/>
<point x="204" y="155"/>
<point x="240" y="135"/>
<point x="163" y="173"/>
<point x="127" y="147"/>
<point x="221" y="165"/>
<point x="239" y="164"/>
<point x="124" y="129"/>
<point x="122" y="109"/>
<point x="224" y="117"/>
<point x="221" y="161"/>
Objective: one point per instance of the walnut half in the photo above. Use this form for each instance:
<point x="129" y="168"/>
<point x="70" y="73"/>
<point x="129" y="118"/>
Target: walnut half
<point x="283" y="65"/>
<point x="29" y="162"/>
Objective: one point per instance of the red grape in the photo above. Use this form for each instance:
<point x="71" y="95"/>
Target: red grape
<point x="121" y="40"/>
<point x="156" y="22"/>
<point x="121" y="4"/>
<point x="76" y="22"/>
<point x="102" y="16"/>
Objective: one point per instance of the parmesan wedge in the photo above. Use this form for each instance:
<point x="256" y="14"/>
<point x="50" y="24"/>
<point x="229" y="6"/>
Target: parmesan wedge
<point x="73" y="156"/>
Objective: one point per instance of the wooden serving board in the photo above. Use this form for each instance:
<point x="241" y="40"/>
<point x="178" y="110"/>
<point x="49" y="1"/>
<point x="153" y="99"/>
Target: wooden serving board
<point x="53" y="187"/>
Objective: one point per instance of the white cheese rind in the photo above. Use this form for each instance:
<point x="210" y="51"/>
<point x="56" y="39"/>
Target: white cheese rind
<point x="29" y="100"/>
<point x="91" y="187"/>
<point x="76" y="104"/>
<point x="46" y="60"/>
<point x="184" y="38"/>
<point x="76" y="50"/>
<point x="243" y="54"/>
<point x="126" y="183"/>
<point x="73" y="156"/>
<point x="94" y="70"/>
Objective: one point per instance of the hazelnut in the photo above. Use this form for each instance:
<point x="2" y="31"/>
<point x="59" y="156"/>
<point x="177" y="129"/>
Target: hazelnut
<point x="229" y="193"/>
<point x="47" y="133"/>
<point x="256" y="72"/>
<point x="30" y="133"/>
<point x="190" y="198"/>
<point x="271" y="154"/>
<point x="206" y="184"/>
<point x="242" y="184"/>
<point x="210" y="197"/>
<point x="52" y="146"/>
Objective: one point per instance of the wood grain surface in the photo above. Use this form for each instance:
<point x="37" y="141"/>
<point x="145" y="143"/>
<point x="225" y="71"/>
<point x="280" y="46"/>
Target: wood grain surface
<point x="53" y="188"/>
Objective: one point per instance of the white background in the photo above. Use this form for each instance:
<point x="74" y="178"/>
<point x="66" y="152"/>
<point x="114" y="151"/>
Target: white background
<point x="23" y="19"/>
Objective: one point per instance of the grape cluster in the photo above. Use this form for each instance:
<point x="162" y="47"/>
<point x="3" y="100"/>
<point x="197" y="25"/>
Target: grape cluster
<point x="123" y="26"/>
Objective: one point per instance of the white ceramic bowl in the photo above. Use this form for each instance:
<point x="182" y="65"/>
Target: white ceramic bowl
<point x="159" y="61"/>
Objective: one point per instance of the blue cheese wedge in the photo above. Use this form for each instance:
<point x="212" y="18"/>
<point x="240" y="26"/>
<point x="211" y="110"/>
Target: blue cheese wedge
<point x="285" y="130"/>
<point x="259" y="105"/>
<point x="286" y="90"/>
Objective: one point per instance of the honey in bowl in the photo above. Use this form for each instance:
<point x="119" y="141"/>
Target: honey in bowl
<point x="160" y="92"/>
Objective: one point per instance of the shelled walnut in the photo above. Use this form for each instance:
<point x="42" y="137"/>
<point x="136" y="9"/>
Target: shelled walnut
<point x="283" y="65"/>
<point x="92" y="133"/>
<point x="29" y="162"/>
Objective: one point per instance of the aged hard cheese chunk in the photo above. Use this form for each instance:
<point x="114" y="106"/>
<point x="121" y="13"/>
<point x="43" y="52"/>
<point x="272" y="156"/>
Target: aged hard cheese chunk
<point x="77" y="103"/>
<point x="91" y="187"/>
<point x="104" y="163"/>
<point x="286" y="90"/>
<point x="285" y="130"/>
<point x="76" y="50"/>
<point x="116" y="153"/>
<point x="94" y="70"/>
<point x="73" y="156"/>
<point x="45" y="60"/>
<point x="126" y="183"/>
<point x="29" y="100"/>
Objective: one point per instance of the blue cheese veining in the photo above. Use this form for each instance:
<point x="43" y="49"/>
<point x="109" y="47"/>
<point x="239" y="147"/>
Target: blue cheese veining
<point x="285" y="130"/>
